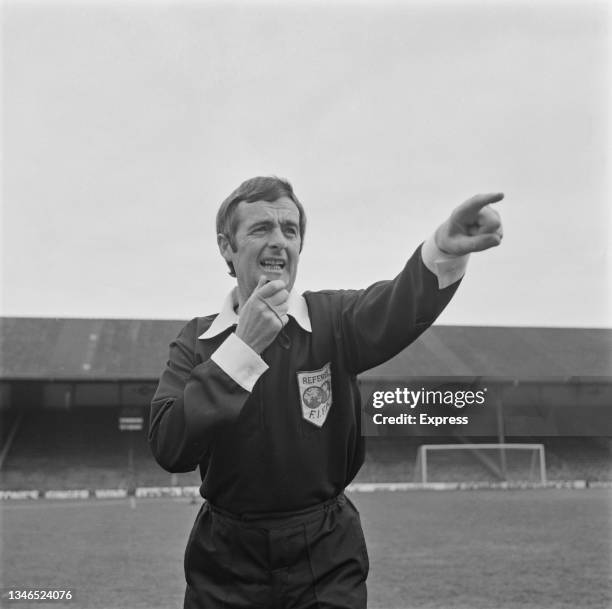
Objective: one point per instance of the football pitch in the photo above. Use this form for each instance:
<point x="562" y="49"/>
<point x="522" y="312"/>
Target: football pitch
<point x="433" y="550"/>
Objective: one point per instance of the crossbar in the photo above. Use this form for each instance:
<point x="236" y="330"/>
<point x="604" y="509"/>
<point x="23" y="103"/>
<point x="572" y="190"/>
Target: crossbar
<point x="421" y="462"/>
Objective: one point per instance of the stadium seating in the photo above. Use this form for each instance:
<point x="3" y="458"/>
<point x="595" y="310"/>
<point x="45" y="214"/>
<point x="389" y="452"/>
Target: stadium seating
<point x="83" y="448"/>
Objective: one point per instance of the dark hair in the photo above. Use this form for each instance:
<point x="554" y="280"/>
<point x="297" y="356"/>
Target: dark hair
<point x="266" y="188"/>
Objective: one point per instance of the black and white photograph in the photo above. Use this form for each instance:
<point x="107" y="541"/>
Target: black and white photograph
<point x="306" y="305"/>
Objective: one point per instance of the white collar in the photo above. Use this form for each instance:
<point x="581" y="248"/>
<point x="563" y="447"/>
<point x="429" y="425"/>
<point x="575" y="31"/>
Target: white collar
<point x="298" y="309"/>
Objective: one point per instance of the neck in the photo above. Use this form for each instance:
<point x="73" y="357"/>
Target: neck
<point x="239" y="299"/>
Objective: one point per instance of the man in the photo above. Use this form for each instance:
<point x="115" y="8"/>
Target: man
<point x="263" y="399"/>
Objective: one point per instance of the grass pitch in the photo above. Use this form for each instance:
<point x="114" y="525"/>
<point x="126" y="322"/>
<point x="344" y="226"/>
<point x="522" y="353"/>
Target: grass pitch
<point x="432" y="550"/>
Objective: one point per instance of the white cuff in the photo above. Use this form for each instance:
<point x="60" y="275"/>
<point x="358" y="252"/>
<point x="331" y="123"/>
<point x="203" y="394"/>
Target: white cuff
<point x="239" y="362"/>
<point x="446" y="267"/>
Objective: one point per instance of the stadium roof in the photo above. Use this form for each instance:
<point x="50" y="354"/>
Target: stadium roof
<point x="84" y="349"/>
<point x="115" y="349"/>
<point x="518" y="353"/>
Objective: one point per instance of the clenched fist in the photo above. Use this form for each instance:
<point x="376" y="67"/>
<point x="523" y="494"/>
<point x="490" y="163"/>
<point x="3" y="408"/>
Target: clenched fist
<point x="264" y="314"/>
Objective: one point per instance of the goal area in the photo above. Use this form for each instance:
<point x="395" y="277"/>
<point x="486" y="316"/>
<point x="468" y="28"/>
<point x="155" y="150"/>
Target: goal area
<point x="480" y="462"/>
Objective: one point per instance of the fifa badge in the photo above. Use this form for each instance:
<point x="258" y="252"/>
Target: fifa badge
<point x="315" y="394"/>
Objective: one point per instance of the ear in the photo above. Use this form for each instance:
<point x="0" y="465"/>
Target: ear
<point x="224" y="247"/>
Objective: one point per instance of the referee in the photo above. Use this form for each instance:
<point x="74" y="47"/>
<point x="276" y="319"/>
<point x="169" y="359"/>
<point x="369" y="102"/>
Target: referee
<point x="262" y="398"/>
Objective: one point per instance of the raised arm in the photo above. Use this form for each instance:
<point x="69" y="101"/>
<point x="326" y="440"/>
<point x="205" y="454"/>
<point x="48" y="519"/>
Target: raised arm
<point x="380" y="321"/>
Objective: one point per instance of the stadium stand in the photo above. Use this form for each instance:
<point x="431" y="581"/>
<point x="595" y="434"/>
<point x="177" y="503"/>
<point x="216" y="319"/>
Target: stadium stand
<point x="81" y="449"/>
<point x="65" y="383"/>
<point x="86" y="450"/>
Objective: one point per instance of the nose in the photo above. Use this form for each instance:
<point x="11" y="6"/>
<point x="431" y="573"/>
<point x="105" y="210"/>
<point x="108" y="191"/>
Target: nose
<point x="278" y="239"/>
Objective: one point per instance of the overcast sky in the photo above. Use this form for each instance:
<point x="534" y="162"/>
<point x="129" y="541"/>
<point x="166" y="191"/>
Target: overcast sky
<point x="125" y="124"/>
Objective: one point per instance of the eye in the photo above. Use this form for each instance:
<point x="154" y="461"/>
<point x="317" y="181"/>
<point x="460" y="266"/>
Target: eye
<point x="292" y="231"/>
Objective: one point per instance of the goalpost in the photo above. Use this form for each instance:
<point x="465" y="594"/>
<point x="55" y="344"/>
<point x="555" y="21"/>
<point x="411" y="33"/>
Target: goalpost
<point x="499" y="469"/>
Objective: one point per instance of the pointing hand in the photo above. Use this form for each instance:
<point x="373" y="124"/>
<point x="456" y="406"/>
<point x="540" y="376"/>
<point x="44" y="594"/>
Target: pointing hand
<point x="472" y="227"/>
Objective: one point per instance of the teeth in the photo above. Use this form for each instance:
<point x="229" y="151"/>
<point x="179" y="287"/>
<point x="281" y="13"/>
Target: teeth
<point x="273" y="265"/>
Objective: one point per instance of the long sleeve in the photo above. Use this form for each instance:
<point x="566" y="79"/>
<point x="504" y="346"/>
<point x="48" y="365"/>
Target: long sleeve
<point x="194" y="399"/>
<point x="380" y="321"/>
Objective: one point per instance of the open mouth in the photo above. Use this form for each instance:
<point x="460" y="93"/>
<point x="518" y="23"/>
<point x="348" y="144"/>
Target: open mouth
<point x="272" y="265"/>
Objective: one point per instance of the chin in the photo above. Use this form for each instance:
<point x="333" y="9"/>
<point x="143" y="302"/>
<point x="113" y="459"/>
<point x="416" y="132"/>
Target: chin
<point x="289" y="281"/>
<point x="271" y="276"/>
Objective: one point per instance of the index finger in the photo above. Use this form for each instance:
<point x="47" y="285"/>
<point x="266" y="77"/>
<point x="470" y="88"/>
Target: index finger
<point x="270" y="288"/>
<point x="477" y="202"/>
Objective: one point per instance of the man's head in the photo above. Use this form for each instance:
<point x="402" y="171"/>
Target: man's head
<point x="260" y="231"/>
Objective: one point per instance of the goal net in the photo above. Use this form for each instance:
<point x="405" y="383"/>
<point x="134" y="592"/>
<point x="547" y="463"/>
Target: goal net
<point x="480" y="463"/>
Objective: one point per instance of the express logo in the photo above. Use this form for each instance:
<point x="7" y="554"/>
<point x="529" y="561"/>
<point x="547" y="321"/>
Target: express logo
<point x="315" y="394"/>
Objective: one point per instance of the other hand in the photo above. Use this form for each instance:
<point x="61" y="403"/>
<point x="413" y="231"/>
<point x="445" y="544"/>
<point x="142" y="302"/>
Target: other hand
<point x="472" y="227"/>
<point x="264" y="314"/>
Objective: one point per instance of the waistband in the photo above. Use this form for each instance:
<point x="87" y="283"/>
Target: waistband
<point x="278" y="519"/>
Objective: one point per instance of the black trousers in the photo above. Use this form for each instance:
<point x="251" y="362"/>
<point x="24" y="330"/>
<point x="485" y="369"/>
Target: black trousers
<point x="311" y="559"/>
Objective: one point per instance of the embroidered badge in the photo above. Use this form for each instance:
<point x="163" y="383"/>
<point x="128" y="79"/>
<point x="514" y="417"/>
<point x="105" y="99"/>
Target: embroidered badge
<point x="315" y="394"/>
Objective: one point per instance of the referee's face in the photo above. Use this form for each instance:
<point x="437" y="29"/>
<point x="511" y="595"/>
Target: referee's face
<point x="267" y="242"/>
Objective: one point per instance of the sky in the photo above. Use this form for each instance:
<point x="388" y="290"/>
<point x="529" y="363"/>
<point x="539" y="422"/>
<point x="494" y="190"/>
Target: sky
<point x="125" y="124"/>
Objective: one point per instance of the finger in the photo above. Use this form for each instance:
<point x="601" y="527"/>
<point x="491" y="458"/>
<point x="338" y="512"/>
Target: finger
<point x="270" y="288"/>
<point x="284" y="320"/>
<point x="282" y="309"/>
<point x="491" y="224"/>
<point x="278" y="298"/>
<point x="262" y="281"/>
<point x="487" y="221"/>
<point x="489" y="215"/>
<point x="278" y="312"/>
<point x="484" y="242"/>
<point x="477" y="202"/>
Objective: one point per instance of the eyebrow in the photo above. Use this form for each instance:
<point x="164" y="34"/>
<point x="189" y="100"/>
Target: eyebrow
<point x="260" y="224"/>
<point x="269" y="223"/>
